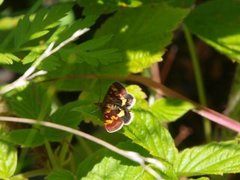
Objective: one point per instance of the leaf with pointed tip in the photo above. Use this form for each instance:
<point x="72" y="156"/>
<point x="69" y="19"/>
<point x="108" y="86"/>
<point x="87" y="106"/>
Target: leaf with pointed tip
<point x="147" y="131"/>
<point x="212" y="158"/>
<point x="8" y="58"/>
<point x="217" y="22"/>
<point x="169" y="109"/>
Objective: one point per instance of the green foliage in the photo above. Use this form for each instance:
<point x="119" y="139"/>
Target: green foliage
<point x="8" y="160"/>
<point x="60" y="175"/>
<point x="7" y="58"/>
<point x="65" y="115"/>
<point x="30" y="102"/>
<point x="217" y="23"/>
<point x="212" y="158"/>
<point x="141" y="45"/>
<point x="110" y="168"/>
<point x="126" y="36"/>
<point x="25" y="137"/>
<point x="168" y="109"/>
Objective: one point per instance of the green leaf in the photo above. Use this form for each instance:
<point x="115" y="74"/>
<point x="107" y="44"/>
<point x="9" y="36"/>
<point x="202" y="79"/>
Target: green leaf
<point x="61" y="174"/>
<point x="31" y="102"/>
<point x="168" y="109"/>
<point x="92" y="52"/>
<point x="141" y="34"/>
<point x="217" y="22"/>
<point x="30" y="57"/>
<point x="8" y="160"/>
<point x="212" y="158"/>
<point x="30" y="28"/>
<point x="65" y="115"/>
<point x="1" y="1"/>
<point x="88" y="163"/>
<point x="146" y="131"/>
<point x="25" y="137"/>
<point x="110" y="168"/>
<point x="8" y="58"/>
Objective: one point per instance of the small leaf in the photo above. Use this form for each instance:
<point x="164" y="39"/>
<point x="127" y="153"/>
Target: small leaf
<point x="8" y="160"/>
<point x="213" y="158"/>
<point x="7" y="58"/>
<point x="110" y="168"/>
<point x="25" y="137"/>
<point x="168" y="109"/>
<point x="30" y="57"/>
<point x="61" y="174"/>
<point x="217" y="22"/>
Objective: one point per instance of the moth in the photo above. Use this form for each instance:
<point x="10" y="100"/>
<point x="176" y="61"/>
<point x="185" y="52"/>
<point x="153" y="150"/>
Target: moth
<point x="116" y="108"/>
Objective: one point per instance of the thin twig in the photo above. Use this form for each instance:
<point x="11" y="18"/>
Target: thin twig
<point x="31" y="73"/>
<point x="143" y="161"/>
<point x="208" y="113"/>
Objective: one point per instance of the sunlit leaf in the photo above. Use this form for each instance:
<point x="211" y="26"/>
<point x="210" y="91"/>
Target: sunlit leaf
<point x="8" y="160"/>
<point x="110" y="168"/>
<point x="168" y="109"/>
<point x="212" y="158"/>
<point x="217" y="22"/>
<point x="141" y="34"/>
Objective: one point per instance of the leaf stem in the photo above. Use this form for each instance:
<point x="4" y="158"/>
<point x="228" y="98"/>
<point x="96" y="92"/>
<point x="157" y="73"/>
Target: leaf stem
<point x="51" y="155"/>
<point x="199" y="80"/>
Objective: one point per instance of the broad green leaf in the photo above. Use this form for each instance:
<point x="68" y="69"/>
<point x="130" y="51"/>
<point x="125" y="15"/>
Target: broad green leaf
<point x="88" y="163"/>
<point x="65" y="115"/>
<point x="61" y="174"/>
<point x="168" y="109"/>
<point x="31" y="102"/>
<point x="147" y="131"/>
<point x="25" y="137"/>
<point x="8" y="58"/>
<point x="141" y="34"/>
<point x="212" y="158"/>
<point x="110" y="168"/>
<point x="8" y="160"/>
<point x="217" y="22"/>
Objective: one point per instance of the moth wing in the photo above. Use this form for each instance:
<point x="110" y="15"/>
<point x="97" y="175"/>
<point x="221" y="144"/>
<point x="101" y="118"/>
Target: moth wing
<point x="112" y="121"/>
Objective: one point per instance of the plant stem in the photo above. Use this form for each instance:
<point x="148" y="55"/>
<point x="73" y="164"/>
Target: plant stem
<point x="199" y="80"/>
<point x="51" y="155"/>
<point x="31" y="174"/>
